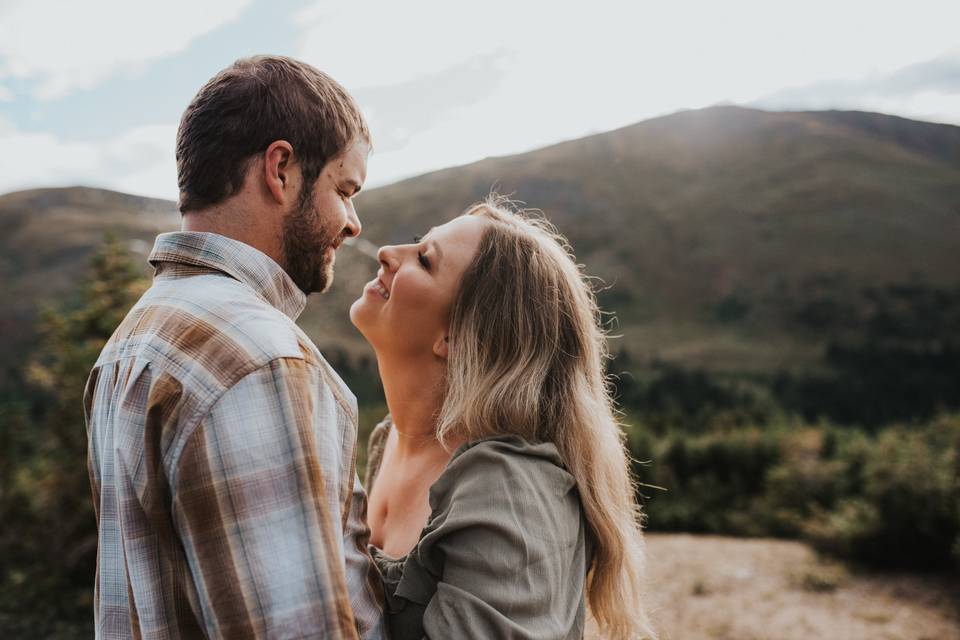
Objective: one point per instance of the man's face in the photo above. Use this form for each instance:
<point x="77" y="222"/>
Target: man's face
<point x="324" y="216"/>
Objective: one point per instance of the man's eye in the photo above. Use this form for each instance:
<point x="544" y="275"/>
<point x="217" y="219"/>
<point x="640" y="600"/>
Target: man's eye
<point x="423" y="261"/>
<point x="417" y="239"/>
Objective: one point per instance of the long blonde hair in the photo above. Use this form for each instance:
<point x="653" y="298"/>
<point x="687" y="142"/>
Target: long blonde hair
<point x="526" y="329"/>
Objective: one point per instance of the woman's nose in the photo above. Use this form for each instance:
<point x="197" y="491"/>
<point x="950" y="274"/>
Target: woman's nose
<point x="387" y="255"/>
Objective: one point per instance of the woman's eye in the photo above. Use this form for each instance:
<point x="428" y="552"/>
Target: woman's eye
<point x="424" y="262"/>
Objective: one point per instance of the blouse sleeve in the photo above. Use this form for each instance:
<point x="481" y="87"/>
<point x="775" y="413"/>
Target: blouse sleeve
<point x="506" y="544"/>
<point x="375" y="446"/>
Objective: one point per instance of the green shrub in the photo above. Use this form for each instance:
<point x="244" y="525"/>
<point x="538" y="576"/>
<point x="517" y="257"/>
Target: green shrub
<point x="889" y="499"/>
<point x="709" y="479"/>
<point x="907" y="512"/>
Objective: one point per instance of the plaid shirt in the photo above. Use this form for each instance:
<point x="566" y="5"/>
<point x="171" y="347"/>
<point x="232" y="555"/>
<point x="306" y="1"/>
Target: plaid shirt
<point x="221" y="456"/>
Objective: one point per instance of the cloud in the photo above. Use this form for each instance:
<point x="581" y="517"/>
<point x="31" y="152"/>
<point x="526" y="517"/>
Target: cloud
<point x="929" y="89"/>
<point x="62" y="47"/>
<point x="139" y="161"/>
<point x="5" y="94"/>
<point x="942" y="75"/>
<point x="400" y="41"/>
<point x="552" y="71"/>
<point x="397" y="112"/>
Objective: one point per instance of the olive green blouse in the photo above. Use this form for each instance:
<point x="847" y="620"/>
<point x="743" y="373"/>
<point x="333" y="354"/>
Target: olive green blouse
<point x="504" y="553"/>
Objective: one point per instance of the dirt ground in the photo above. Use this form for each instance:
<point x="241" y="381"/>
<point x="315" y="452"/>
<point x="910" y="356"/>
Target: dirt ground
<point x="711" y="587"/>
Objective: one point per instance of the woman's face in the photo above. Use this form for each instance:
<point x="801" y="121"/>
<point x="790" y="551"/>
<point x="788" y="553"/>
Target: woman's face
<point x="406" y="308"/>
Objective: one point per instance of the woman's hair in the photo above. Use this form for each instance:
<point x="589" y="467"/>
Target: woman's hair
<point x="525" y="328"/>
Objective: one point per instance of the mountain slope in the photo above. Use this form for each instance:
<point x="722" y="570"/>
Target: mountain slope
<point x="713" y="227"/>
<point x="701" y="211"/>
<point x="48" y="238"/>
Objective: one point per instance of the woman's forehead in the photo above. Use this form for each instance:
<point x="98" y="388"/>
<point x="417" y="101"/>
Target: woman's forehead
<point x="461" y="228"/>
<point x="459" y="238"/>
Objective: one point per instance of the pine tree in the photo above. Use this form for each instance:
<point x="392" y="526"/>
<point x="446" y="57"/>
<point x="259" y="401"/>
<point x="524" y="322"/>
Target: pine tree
<point x="49" y="539"/>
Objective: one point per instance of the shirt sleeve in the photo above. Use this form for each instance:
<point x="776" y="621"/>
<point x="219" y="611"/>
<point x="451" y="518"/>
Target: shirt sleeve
<point x="363" y="579"/>
<point x="508" y="544"/>
<point x="251" y="508"/>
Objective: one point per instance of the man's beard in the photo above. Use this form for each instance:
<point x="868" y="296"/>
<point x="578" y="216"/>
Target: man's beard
<point x="305" y="244"/>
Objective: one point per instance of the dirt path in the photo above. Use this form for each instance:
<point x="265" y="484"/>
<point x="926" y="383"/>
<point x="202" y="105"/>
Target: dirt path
<point x="710" y="587"/>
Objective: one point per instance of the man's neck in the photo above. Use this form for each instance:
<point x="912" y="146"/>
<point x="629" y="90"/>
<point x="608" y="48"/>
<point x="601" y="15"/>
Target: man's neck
<point x="237" y="224"/>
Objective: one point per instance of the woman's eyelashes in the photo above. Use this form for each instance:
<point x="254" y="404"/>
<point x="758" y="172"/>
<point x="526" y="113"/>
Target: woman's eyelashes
<point x="424" y="261"/>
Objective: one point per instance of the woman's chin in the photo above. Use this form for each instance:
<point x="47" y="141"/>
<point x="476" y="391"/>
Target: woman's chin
<point x="362" y="316"/>
<point x="356" y="313"/>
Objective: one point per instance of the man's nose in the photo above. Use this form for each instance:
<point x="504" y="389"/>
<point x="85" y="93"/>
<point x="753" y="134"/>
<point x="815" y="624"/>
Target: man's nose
<point x="353" y="226"/>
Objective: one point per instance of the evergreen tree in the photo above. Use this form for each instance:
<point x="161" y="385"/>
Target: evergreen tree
<point x="49" y="539"/>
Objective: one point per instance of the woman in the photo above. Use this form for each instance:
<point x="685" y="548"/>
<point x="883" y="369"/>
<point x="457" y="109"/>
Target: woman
<point x="500" y="494"/>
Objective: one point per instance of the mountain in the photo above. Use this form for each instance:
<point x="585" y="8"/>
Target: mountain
<point x="714" y="229"/>
<point x="718" y="228"/>
<point x="48" y="238"/>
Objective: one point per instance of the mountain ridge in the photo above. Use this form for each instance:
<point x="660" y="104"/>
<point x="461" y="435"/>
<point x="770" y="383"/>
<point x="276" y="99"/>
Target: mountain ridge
<point x="687" y="215"/>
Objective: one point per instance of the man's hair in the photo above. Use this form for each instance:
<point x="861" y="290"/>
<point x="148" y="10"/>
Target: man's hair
<point x="249" y="105"/>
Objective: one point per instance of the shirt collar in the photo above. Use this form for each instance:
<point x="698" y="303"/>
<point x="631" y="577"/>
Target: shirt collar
<point x="234" y="258"/>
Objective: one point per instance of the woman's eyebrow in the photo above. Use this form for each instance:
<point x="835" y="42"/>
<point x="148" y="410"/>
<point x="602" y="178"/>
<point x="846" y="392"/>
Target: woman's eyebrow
<point x="436" y="249"/>
<point x="425" y="238"/>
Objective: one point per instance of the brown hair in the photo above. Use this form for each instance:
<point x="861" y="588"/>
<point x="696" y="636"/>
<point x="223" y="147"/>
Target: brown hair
<point x="249" y="105"/>
<point x="526" y="330"/>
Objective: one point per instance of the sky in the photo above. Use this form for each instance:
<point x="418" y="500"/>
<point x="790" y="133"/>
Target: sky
<point x="91" y="92"/>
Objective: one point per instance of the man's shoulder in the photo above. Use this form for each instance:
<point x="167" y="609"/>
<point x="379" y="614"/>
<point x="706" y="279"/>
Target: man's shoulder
<point x="208" y="329"/>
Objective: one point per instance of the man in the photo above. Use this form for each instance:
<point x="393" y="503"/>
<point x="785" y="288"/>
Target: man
<point x="221" y="444"/>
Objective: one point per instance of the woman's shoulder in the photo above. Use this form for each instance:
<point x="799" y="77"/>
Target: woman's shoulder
<point x="500" y="471"/>
<point x="507" y="498"/>
<point x="510" y="451"/>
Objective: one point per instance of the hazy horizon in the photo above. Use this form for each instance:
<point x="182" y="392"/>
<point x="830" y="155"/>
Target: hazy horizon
<point x="95" y="96"/>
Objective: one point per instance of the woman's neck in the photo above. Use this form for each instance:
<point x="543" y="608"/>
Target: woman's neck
<point x="414" y="392"/>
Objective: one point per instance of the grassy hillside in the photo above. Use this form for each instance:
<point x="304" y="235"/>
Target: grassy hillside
<point x="719" y="231"/>
<point x="48" y="238"/>
<point x="715" y="227"/>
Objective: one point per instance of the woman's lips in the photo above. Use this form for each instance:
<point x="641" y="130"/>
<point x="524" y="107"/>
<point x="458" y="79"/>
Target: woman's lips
<point x="377" y="287"/>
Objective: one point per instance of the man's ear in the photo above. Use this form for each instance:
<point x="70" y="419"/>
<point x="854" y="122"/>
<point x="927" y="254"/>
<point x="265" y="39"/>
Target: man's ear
<point x="441" y="347"/>
<point x="278" y="172"/>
